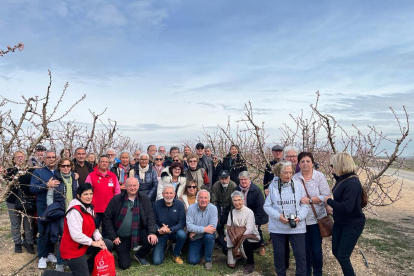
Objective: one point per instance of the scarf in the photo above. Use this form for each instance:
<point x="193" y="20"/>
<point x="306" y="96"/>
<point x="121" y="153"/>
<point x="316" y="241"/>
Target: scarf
<point x="67" y="180"/>
<point x="158" y="170"/>
<point x="135" y="219"/>
<point x="245" y="191"/>
<point x="142" y="171"/>
<point x="123" y="175"/>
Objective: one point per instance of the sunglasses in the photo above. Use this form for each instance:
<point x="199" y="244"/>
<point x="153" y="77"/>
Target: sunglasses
<point x="158" y="159"/>
<point x="199" y="148"/>
<point x="176" y="160"/>
<point x="191" y="187"/>
<point x="65" y="166"/>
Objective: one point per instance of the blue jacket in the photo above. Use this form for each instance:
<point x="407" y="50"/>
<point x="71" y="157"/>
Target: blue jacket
<point x="51" y="219"/>
<point x="198" y="219"/>
<point x="173" y="216"/>
<point x="149" y="184"/>
<point x="38" y="186"/>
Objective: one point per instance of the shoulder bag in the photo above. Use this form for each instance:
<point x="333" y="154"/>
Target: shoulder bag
<point x="325" y="223"/>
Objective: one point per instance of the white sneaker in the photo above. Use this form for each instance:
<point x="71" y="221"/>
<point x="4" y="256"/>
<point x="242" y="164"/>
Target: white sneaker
<point x="51" y="258"/>
<point x="42" y="263"/>
<point x="60" y="268"/>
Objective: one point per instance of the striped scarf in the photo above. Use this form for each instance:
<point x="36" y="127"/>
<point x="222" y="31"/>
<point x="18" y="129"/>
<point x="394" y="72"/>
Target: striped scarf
<point x="135" y="219"/>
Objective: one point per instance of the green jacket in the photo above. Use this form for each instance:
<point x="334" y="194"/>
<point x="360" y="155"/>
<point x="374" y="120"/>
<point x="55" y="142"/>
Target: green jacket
<point x="221" y="198"/>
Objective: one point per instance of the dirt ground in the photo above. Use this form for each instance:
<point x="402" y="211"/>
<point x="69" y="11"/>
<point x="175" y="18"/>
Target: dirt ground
<point x="400" y="213"/>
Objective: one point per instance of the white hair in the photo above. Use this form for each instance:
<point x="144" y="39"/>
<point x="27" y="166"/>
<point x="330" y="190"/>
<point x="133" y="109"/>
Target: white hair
<point x="237" y="193"/>
<point x="289" y="148"/>
<point x="168" y="186"/>
<point x="125" y="151"/>
<point x="203" y="190"/>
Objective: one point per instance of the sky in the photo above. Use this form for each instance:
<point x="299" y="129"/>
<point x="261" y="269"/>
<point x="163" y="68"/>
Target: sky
<point x="167" y="68"/>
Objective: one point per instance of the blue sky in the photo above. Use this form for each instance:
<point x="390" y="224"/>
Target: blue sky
<point x="165" y="68"/>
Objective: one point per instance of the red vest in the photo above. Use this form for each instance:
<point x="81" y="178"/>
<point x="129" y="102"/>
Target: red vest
<point x="69" y="249"/>
<point x="103" y="189"/>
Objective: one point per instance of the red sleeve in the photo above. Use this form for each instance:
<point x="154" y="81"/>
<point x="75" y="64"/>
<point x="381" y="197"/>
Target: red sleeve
<point x="206" y="180"/>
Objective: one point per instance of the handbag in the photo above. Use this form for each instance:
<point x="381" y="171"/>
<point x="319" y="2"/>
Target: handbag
<point x="24" y="202"/>
<point x="104" y="264"/>
<point x="325" y="223"/>
<point x="235" y="233"/>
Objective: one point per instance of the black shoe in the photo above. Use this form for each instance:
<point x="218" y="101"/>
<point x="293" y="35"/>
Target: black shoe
<point x="29" y="247"/>
<point x="18" y="248"/>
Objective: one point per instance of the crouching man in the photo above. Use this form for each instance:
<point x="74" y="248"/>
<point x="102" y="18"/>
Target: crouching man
<point x="170" y="220"/>
<point x="201" y="223"/>
<point x="129" y="221"/>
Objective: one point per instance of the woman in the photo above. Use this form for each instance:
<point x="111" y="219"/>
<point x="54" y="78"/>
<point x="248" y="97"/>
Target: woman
<point x="286" y="215"/>
<point x="175" y="176"/>
<point x="121" y="169"/>
<point x="80" y="236"/>
<point x="242" y="216"/>
<point x="17" y="194"/>
<point x="317" y="189"/>
<point x="158" y="160"/>
<point x="92" y="159"/>
<point x="217" y="168"/>
<point x="63" y="195"/>
<point x="349" y="220"/>
<point x="195" y="173"/>
<point x="234" y="163"/>
<point x="189" y="194"/>
<point x="146" y="175"/>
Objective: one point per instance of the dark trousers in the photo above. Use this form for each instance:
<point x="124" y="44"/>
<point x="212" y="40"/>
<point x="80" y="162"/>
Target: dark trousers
<point x="344" y="239"/>
<point x="123" y="250"/>
<point x="314" y="258"/>
<point x="98" y="220"/>
<point x="261" y="242"/>
<point x="249" y="247"/>
<point x="44" y="246"/>
<point x="83" y="265"/>
<point x="298" y="245"/>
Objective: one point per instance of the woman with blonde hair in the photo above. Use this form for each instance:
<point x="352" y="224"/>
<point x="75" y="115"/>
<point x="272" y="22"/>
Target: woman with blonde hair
<point x="190" y="193"/>
<point x="349" y="220"/>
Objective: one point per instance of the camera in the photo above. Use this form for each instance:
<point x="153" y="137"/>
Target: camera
<point x="291" y="219"/>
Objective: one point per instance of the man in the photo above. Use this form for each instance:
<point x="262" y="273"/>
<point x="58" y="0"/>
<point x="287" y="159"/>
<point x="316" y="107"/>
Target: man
<point x="41" y="181"/>
<point x="207" y="151"/>
<point x="82" y="167"/>
<point x="129" y="220"/>
<point x="201" y="224"/>
<point x="169" y="160"/>
<point x="161" y="149"/>
<point x="221" y="198"/>
<point x="105" y="186"/>
<point x="290" y="153"/>
<point x="170" y="219"/>
<point x="204" y="161"/>
<point x="121" y="170"/>
<point x="135" y="157"/>
<point x="254" y="200"/>
<point x="151" y="150"/>
<point x="112" y="157"/>
<point x="37" y="158"/>
<point x="277" y="152"/>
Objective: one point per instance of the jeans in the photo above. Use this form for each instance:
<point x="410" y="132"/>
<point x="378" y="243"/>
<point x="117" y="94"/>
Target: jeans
<point x="344" y="239"/>
<point x="179" y="238"/>
<point x="44" y="246"/>
<point x="298" y="246"/>
<point x="98" y="220"/>
<point x="314" y="256"/>
<point x="59" y="259"/>
<point x="16" y="222"/>
<point x="195" y="250"/>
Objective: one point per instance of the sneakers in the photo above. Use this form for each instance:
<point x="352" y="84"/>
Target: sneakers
<point x="208" y="265"/>
<point x="177" y="260"/>
<point x="231" y="265"/>
<point x="60" y="268"/>
<point x="29" y="248"/>
<point x="142" y="261"/>
<point x="42" y="263"/>
<point x="51" y="258"/>
<point x="18" y="248"/>
<point x="262" y="251"/>
<point x="248" y="269"/>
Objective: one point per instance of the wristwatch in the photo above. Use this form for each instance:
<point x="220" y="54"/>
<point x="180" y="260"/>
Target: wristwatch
<point x="310" y="200"/>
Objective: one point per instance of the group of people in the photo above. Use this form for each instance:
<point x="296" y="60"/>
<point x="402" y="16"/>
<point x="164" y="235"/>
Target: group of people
<point x="149" y="201"/>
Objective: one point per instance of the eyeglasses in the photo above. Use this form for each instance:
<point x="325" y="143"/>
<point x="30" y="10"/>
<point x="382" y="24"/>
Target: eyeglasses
<point x="176" y="160"/>
<point x="191" y="187"/>
<point x="65" y="166"/>
<point x="192" y="161"/>
<point x="214" y="158"/>
<point x="199" y="148"/>
<point x="291" y="156"/>
<point x="143" y="160"/>
<point x="113" y="154"/>
<point x="177" y="169"/>
<point x="51" y="157"/>
<point x="158" y="159"/>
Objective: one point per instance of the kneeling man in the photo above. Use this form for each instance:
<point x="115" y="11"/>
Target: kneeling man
<point x="201" y="223"/>
<point x="170" y="219"/>
<point x="129" y="220"/>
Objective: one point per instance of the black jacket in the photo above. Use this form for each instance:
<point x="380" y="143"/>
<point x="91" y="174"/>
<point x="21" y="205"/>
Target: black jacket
<point x="234" y="166"/>
<point x="117" y="172"/>
<point x="24" y="180"/>
<point x="146" y="213"/>
<point x="347" y="201"/>
<point x="255" y="201"/>
<point x="216" y="171"/>
<point x="268" y="175"/>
